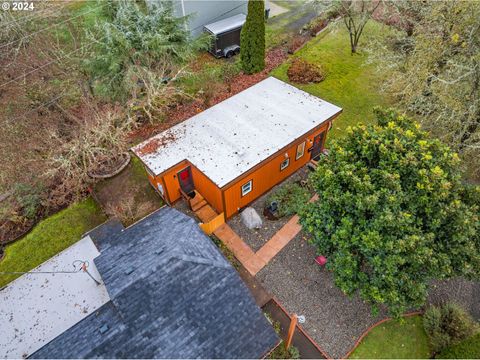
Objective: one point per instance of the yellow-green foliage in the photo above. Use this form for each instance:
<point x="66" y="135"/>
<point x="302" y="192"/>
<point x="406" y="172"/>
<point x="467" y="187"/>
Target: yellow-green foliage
<point x="393" y="213"/>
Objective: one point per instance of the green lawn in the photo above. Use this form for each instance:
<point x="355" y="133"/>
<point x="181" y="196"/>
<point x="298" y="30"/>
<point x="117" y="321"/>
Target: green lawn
<point x="350" y="82"/>
<point x="395" y="340"/>
<point x="49" y="237"/>
<point x="467" y="349"/>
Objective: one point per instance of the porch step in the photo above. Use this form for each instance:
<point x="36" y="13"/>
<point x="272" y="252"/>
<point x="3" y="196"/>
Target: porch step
<point x="206" y="213"/>
<point x="195" y="201"/>
<point x="199" y="205"/>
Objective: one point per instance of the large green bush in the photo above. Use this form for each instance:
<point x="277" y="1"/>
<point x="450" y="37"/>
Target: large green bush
<point x="447" y="325"/>
<point x="393" y="213"/>
<point x="252" y="39"/>
<point x="136" y="44"/>
<point x="467" y="349"/>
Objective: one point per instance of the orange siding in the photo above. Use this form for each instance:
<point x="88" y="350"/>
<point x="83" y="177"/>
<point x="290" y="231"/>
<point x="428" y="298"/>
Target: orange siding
<point x="202" y="184"/>
<point x="154" y="180"/>
<point x="171" y="181"/>
<point x="268" y="175"/>
<point x="207" y="189"/>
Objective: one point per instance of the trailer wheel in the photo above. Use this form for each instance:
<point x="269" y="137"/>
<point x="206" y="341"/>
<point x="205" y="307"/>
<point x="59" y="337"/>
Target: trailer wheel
<point x="237" y="51"/>
<point x="229" y="54"/>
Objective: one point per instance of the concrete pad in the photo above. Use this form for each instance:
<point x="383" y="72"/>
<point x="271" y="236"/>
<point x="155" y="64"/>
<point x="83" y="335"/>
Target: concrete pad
<point x="36" y="308"/>
<point x="276" y="9"/>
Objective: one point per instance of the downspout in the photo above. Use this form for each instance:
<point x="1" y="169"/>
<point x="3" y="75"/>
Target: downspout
<point x="183" y="14"/>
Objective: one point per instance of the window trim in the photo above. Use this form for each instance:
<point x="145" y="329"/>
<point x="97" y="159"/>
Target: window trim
<point x="249" y="191"/>
<point x="303" y="150"/>
<point x="287" y="160"/>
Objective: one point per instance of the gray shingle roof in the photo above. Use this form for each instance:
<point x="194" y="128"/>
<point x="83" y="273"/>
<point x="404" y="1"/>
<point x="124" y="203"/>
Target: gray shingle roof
<point x="173" y="296"/>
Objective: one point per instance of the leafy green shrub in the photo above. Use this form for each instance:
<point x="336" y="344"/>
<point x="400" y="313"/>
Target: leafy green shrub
<point x="135" y="44"/>
<point x="393" y="213"/>
<point x="109" y="8"/>
<point x="467" y="349"/>
<point x="447" y="325"/>
<point x="252" y="38"/>
<point x="291" y="198"/>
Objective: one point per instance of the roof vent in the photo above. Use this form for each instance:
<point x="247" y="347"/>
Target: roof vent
<point x="103" y="329"/>
<point x="129" y="270"/>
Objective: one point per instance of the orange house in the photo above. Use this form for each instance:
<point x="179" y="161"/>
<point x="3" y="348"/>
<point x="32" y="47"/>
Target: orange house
<point x="235" y="151"/>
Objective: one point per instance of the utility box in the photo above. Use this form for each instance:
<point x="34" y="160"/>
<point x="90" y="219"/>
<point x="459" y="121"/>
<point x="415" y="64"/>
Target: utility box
<point x="226" y="36"/>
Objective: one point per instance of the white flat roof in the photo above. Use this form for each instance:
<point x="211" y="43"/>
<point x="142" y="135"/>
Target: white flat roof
<point x="233" y="22"/>
<point x="231" y="137"/>
<point x="36" y="308"/>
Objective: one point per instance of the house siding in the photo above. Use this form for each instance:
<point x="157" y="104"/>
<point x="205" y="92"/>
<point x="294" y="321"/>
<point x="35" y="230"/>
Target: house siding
<point x="202" y="183"/>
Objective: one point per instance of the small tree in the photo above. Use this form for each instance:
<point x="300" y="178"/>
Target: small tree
<point x="135" y="43"/>
<point x="253" y="38"/>
<point x="356" y="14"/>
<point x="393" y="213"/>
<point x="435" y="72"/>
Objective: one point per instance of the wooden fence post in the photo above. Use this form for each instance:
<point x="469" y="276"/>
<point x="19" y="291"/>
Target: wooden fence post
<point x="291" y="330"/>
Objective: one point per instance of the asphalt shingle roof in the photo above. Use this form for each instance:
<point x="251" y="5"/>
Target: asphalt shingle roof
<point x="173" y="295"/>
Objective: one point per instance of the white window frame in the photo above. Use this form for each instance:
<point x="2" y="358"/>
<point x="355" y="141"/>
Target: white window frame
<point x="284" y="164"/>
<point x="160" y="189"/>
<point x="298" y="154"/>
<point x="249" y="185"/>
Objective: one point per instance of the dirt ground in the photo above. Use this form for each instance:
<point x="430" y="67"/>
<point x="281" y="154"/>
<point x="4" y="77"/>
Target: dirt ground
<point x="128" y="196"/>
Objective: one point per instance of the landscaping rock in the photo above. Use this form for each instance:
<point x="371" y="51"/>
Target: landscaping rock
<point x="251" y="219"/>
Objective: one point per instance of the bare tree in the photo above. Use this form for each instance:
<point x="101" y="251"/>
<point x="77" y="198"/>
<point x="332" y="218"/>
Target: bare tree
<point x="356" y="14"/>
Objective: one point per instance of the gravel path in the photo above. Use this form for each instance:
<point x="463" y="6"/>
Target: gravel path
<point x="333" y="320"/>
<point x="258" y="237"/>
<point x="464" y="293"/>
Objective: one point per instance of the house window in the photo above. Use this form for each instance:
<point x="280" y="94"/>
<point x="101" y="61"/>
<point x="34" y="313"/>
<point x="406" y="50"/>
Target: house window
<point x="160" y="188"/>
<point x="247" y="187"/>
<point x="284" y="164"/>
<point x="300" y="150"/>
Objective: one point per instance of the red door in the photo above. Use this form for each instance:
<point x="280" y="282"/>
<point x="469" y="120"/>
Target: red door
<point x="316" y="149"/>
<point x="185" y="180"/>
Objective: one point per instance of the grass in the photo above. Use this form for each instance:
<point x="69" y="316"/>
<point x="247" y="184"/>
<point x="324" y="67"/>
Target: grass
<point x="49" y="237"/>
<point x="350" y="82"/>
<point x="467" y="349"/>
<point x="395" y="339"/>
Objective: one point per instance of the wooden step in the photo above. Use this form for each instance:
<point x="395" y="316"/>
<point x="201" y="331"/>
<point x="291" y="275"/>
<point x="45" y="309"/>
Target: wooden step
<point x="197" y="206"/>
<point x="193" y="202"/>
<point x="206" y="213"/>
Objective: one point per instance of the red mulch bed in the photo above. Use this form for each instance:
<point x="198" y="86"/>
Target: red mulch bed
<point x="183" y="112"/>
